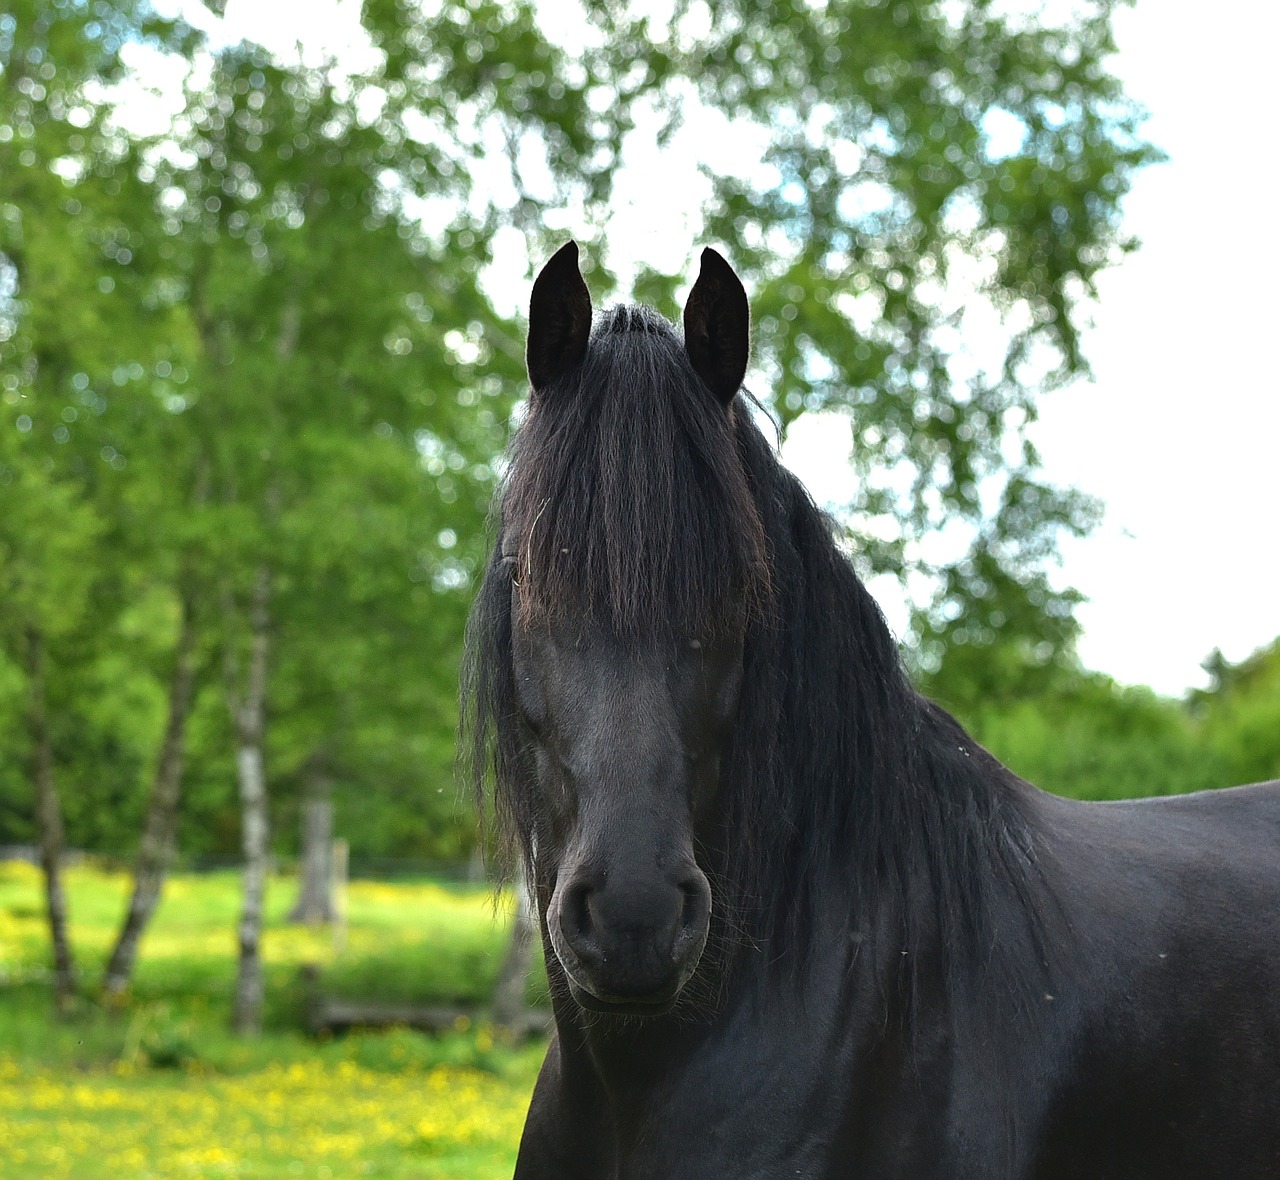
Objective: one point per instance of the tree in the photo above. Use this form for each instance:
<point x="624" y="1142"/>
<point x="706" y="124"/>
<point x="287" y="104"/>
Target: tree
<point x="90" y="330"/>
<point x="44" y="584"/>
<point x="1239" y="714"/>
<point x="58" y="250"/>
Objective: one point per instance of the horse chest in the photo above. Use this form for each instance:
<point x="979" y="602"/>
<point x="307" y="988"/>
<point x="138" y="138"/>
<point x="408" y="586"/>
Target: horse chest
<point x="763" y="1095"/>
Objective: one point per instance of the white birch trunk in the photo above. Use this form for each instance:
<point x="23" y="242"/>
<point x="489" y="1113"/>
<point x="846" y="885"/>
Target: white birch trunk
<point x="249" y="714"/>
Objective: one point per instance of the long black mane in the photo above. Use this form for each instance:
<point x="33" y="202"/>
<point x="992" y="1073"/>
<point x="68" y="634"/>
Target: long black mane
<point x="634" y="500"/>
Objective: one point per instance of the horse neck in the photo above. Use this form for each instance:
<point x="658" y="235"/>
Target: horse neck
<point x="861" y="805"/>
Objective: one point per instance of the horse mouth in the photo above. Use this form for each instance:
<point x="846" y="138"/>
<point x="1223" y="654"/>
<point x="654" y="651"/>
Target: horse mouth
<point x="622" y="1005"/>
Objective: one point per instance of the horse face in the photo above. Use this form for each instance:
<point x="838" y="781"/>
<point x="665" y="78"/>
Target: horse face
<point x="627" y="743"/>
<point x="626" y="736"/>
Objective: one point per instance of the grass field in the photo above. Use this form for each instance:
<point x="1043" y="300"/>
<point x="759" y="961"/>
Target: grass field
<point x="163" y="1090"/>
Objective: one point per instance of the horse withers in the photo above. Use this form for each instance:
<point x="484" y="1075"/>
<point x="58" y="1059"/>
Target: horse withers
<point x="796" y="922"/>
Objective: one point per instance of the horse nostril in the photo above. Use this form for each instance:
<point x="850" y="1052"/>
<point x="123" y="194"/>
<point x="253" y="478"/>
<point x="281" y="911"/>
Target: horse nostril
<point x="695" y="914"/>
<point x="576" y="922"/>
<point x="689" y="909"/>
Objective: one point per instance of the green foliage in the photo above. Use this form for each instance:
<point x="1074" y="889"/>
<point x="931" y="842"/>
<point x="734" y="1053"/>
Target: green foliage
<point x="1240" y="713"/>
<point x="1090" y="738"/>
<point x="998" y="629"/>
<point x="1080" y="734"/>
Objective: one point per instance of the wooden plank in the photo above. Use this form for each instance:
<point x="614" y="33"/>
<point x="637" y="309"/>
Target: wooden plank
<point x="330" y="1014"/>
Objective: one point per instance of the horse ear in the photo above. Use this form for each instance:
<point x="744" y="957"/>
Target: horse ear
<point x="717" y="327"/>
<point x="559" y="318"/>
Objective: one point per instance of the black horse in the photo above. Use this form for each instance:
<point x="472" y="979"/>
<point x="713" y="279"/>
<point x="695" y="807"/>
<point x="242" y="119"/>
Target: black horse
<point x="796" y="922"/>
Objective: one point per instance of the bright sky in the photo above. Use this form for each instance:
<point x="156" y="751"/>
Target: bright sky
<point x="1179" y="433"/>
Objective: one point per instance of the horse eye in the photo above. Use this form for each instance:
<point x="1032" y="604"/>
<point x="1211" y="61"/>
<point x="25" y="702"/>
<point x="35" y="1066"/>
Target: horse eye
<point x="696" y="644"/>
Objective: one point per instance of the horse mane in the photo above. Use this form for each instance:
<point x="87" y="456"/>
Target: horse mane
<point x="635" y="500"/>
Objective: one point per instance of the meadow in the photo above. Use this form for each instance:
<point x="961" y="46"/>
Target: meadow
<point x="163" y="1090"/>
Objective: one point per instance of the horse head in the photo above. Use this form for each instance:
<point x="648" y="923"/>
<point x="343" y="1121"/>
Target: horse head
<point x="631" y="554"/>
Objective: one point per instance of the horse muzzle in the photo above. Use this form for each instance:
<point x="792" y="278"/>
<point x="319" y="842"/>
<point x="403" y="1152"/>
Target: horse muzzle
<point x="629" y="947"/>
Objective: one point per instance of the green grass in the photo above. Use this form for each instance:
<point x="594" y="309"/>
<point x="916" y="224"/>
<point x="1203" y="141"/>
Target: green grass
<point x="163" y="1089"/>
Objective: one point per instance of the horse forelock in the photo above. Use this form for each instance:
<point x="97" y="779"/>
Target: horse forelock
<point x="626" y="505"/>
